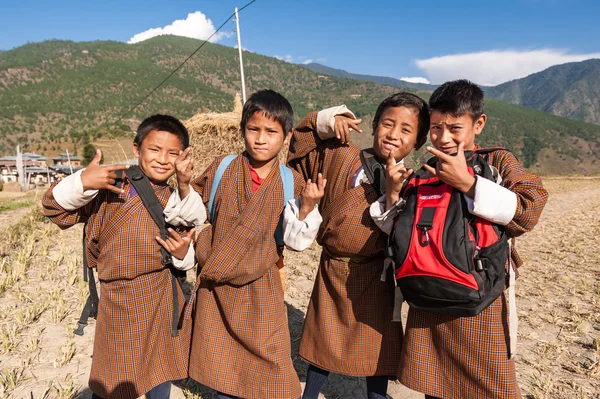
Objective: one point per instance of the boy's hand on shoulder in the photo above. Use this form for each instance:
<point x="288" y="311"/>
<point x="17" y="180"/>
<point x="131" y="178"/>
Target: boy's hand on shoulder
<point x="177" y="245"/>
<point x="396" y="175"/>
<point x="452" y="170"/>
<point x="97" y="177"/>
<point x="312" y="194"/>
<point x="184" y="164"/>
<point x="343" y="125"/>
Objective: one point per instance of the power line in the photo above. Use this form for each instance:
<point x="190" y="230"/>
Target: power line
<point x="180" y="65"/>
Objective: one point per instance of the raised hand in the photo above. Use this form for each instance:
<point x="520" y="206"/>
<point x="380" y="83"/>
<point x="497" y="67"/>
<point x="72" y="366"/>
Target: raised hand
<point x="343" y="125"/>
<point x="452" y="170"/>
<point x="396" y="175"/>
<point x="97" y="177"/>
<point x="184" y="164"/>
<point x="312" y="194"/>
<point x="177" y="245"/>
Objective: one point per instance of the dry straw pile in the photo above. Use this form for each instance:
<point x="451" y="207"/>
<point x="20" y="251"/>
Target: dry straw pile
<point x="214" y="134"/>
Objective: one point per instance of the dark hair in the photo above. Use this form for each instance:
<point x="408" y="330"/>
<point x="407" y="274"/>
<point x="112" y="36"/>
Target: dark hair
<point x="408" y="100"/>
<point x="457" y="98"/>
<point x="274" y="106"/>
<point x="165" y="123"/>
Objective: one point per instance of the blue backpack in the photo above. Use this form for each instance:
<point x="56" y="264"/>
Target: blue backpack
<point x="287" y="178"/>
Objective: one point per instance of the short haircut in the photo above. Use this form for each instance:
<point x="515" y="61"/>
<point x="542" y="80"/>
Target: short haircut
<point x="407" y="100"/>
<point x="457" y="98"/>
<point x="166" y="123"/>
<point x="273" y="105"/>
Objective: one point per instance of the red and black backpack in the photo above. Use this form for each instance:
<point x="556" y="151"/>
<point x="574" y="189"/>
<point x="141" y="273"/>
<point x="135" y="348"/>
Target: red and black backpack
<point x="446" y="259"/>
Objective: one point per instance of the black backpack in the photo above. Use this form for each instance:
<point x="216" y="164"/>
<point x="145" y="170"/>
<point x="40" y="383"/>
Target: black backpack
<point x="144" y="189"/>
<point x="446" y="259"/>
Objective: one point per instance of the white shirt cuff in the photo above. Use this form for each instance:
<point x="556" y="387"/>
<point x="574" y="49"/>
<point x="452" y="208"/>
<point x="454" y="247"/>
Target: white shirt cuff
<point x="382" y="218"/>
<point x="326" y="120"/>
<point x="69" y="192"/>
<point x="187" y="212"/>
<point x="299" y="234"/>
<point x="492" y="202"/>
<point x="188" y="262"/>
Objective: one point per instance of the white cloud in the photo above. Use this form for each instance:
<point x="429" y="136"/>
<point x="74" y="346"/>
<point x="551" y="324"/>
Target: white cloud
<point x="286" y="58"/>
<point x="196" y="26"/>
<point x="300" y="59"/>
<point x="496" y="66"/>
<point x="416" y="80"/>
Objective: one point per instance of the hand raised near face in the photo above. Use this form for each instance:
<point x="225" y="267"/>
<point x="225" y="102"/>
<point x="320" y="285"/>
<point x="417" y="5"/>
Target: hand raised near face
<point x="312" y="194"/>
<point x="97" y="177"/>
<point x="184" y="164"/>
<point x="343" y="125"/>
<point x="452" y="170"/>
<point x="396" y="175"/>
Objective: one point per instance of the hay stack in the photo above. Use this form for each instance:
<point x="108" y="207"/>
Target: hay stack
<point x="213" y="134"/>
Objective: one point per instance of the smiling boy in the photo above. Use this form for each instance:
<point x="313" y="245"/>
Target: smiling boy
<point x="451" y="357"/>
<point x="135" y="350"/>
<point x="348" y="327"/>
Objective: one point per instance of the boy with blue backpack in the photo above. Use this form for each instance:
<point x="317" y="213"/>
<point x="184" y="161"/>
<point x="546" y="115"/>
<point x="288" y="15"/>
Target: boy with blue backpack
<point x="241" y="342"/>
<point x="451" y="248"/>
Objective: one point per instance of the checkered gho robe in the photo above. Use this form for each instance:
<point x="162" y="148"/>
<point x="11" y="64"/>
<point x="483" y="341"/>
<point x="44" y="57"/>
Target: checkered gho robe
<point x="133" y="347"/>
<point x="241" y="341"/>
<point x="348" y="327"/>
<point x="467" y="357"/>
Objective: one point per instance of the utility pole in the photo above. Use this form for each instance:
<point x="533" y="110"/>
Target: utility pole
<point x="69" y="160"/>
<point x="237" y="29"/>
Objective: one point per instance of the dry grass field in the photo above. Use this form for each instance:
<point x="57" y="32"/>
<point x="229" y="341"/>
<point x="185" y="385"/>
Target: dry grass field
<point x="42" y="293"/>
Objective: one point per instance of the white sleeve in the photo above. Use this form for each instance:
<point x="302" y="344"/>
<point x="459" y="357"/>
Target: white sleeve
<point x="326" y="120"/>
<point x="69" y="192"/>
<point x="382" y="218"/>
<point x="187" y="212"/>
<point x="299" y="234"/>
<point x="188" y="262"/>
<point x="492" y="202"/>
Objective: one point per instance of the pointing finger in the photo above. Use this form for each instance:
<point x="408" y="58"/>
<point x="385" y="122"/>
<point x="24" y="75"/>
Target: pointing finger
<point x="117" y="167"/>
<point x="391" y="161"/>
<point x="430" y="169"/>
<point x="438" y="153"/>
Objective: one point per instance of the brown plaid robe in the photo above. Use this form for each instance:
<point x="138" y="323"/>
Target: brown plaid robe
<point x="133" y="347"/>
<point x="348" y="327"/>
<point x="468" y="357"/>
<point x="240" y="340"/>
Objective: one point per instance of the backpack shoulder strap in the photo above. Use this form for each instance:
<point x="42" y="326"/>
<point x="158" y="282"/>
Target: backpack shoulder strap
<point x="374" y="170"/>
<point x="144" y="189"/>
<point x="215" y="185"/>
<point x="287" y="178"/>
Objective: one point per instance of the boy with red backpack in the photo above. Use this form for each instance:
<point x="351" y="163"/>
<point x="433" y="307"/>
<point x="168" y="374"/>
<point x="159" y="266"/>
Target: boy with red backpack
<point x="452" y="255"/>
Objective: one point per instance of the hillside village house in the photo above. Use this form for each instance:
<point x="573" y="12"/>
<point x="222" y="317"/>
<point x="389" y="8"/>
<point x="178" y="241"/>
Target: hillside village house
<point x="66" y="160"/>
<point x="8" y="165"/>
<point x="36" y="170"/>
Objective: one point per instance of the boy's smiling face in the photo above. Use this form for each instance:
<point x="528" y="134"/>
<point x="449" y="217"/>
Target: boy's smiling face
<point x="396" y="132"/>
<point x="156" y="155"/>
<point x="447" y="131"/>
<point x="263" y="138"/>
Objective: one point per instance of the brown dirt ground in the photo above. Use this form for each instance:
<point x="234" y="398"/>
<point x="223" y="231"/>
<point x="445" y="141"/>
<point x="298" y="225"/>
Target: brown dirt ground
<point x="558" y="294"/>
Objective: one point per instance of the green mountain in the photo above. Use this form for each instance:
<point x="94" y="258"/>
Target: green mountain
<point x="571" y="90"/>
<point x="59" y="94"/>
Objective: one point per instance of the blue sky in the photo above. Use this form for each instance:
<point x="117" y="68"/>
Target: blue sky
<point x="487" y="41"/>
